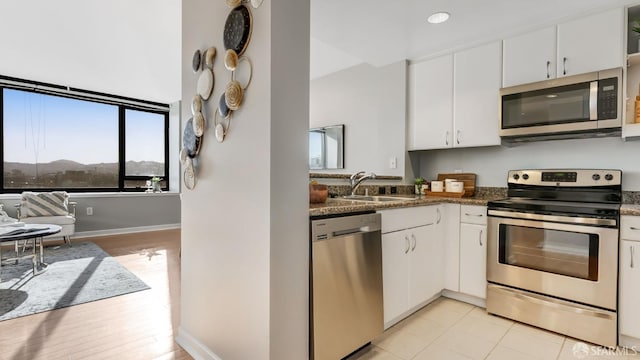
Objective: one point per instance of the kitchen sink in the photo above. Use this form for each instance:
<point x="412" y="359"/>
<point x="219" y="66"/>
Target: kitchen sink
<point x="377" y="199"/>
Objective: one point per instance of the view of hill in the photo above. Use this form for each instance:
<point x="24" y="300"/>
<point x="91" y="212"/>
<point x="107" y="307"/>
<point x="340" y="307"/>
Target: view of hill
<point x="143" y="168"/>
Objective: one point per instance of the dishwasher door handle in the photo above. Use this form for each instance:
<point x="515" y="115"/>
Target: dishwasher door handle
<point x="360" y="230"/>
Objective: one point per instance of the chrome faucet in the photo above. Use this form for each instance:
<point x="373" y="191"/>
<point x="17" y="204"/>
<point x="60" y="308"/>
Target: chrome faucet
<point x="356" y="179"/>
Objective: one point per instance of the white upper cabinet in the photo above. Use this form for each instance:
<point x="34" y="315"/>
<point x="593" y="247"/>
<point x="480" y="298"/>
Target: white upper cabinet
<point x="579" y="46"/>
<point x="454" y="103"/>
<point x="530" y="57"/>
<point x="477" y="78"/>
<point x="591" y="43"/>
<point x="431" y="104"/>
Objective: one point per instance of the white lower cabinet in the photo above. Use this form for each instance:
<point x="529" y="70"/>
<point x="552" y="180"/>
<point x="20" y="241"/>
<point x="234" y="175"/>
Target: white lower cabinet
<point x="473" y="260"/>
<point x="412" y="264"/>
<point x="629" y="312"/>
<point x="473" y="250"/>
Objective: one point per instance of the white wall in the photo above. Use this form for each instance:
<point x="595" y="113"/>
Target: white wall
<point x="371" y="103"/>
<point x="120" y="47"/>
<point x="492" y="163"/>
<point x="245" y="225"/>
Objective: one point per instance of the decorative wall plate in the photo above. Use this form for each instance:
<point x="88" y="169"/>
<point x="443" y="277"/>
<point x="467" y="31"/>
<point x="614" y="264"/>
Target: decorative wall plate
<point x="198" y="124"/>
<point x="230" y="60"/>
<point x="223" y="110"/>
<point x="237" y="29"/>
<point x="190" y="141"/>
<point x="242" y="75"/>
<point x="233" y="95"/>
<point x="220" y="133"/>
<point x="196" y="104"/>
<point x="195" y="62"/>
<point x="256" y="3"/>
<point x="205" y="83"/>
<point x="210" y="57"/>
<point x="233" y="3"/>
<point x="183" y="155"/>
<point x="189" y="176"/>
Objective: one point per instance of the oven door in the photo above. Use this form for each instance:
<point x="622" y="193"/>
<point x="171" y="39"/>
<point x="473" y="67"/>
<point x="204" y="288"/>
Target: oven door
<point x="569" y="261"/>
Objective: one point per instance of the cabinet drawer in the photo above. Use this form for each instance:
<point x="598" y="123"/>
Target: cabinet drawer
<point x="472" y="214"/>
<point x="398" y="219"/>
<point x="630" y="227"/>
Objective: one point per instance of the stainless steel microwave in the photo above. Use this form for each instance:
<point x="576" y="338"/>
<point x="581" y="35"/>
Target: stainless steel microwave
<point x="588" y="103"/>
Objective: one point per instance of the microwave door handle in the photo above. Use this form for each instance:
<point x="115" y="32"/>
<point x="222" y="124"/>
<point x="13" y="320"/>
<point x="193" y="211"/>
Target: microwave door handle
<point x="593" y="100"/>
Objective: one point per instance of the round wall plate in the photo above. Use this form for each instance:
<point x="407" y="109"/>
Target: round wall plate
<point x="205" y="84"/>
<point x="256" y="3"/>
<point x="233" y="95"/>
<point x="230" y="60"/>
<point x="196" y="104"/>
<point x="198" y="124"/>
<point x="237" y="29"/>
<point x="219" y="133"/>
<point x="210" y="57"/>
<point x="223" y="109"/>
<point x="189" y="176"/>
<point x="190" y="141"/>
<point x="195" y="62"/>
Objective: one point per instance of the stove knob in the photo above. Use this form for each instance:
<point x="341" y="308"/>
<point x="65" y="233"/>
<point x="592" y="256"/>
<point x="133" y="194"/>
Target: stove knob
<point x="516" y="176"/>
<point x="595" y="177"/>
<point x="525" y="176"/>
<point x="608" y="177"/>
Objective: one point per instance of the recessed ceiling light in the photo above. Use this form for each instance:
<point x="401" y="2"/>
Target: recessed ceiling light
<point x="439" y="17"/>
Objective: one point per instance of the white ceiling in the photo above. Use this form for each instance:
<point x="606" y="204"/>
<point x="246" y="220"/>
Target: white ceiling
<point x="379" y="32"/>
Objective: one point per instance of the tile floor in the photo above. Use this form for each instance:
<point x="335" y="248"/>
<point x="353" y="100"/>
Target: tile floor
<point x="452" y="330"/>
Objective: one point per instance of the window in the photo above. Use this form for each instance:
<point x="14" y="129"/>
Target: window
<point x="80" y="142"/>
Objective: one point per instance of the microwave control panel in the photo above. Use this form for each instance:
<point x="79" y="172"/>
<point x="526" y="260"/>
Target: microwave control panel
<point x="607" y="99"/>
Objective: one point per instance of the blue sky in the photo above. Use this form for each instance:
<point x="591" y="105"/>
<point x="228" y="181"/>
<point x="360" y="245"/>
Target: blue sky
<point x="47" y="128"/>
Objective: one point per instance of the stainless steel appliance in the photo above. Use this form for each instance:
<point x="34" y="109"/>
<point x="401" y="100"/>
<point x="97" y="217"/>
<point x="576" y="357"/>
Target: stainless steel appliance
<point x="552" y="252"/>
<point x="346" y="276"/>
<point x="584" y="104"/>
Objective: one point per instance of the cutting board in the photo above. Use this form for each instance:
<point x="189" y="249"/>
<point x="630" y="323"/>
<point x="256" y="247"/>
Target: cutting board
<point x="469" y="180"/>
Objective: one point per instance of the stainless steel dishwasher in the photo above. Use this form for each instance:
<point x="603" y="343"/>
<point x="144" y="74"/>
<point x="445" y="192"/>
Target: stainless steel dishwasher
<point x="346" y="291"/>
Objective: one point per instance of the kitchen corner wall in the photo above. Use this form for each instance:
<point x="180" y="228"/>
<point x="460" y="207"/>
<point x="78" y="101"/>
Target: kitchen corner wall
<point x="371" y="103"/>
<point x="245" y="240"/>
<point x="492" y="163"/>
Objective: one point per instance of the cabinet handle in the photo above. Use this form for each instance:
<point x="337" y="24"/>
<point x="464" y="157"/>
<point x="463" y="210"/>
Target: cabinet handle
<point x="439" y="216"/>
<point x="564" y="66"/>
<point x="458" y="137"/>
<point x="446" y="137"/>
<point x="633" y="228"/>
<point x="548" y="64"/>
<point x="480" y="237"/>
<point x="467" y="214"/>
<point x="631" y="249"/>
<point x="406" y="239"/>
<point x="414" y="242"/>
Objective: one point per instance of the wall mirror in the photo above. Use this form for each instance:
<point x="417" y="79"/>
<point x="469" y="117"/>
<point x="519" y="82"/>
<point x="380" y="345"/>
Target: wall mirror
<point x="326" y="147"/>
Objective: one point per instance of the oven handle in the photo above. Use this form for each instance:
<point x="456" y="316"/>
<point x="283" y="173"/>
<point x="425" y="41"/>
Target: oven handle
<point x="554" y="218"/>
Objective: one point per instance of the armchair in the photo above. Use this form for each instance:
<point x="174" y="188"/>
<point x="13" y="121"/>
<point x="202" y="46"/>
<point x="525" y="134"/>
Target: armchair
<point x="49" y="208"/>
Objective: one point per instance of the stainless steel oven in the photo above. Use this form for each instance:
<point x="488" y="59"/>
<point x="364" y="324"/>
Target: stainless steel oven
<point x="552" y="252"/>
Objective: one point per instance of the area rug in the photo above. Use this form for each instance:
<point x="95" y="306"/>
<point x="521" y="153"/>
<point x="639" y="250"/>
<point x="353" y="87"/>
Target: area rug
<point x="75" y="275"/>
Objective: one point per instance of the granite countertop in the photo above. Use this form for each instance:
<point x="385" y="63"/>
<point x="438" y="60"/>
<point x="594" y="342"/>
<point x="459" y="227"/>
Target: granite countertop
<point x="343" y="206"/>
<point x="630" y="209"/>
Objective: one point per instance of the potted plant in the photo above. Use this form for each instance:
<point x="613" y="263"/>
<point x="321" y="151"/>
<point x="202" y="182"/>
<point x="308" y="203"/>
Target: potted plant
<point x="156" y="184"/>
<point x="418" y="185"/>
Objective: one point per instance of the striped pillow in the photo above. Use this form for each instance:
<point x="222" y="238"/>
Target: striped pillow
<point x="44" y="204"/>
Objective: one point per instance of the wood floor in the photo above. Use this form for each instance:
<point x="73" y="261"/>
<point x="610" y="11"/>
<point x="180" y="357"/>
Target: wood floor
<point x="139" y="326"/>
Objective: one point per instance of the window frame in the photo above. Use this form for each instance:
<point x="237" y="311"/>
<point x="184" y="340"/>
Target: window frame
<point x="123" y="104"/>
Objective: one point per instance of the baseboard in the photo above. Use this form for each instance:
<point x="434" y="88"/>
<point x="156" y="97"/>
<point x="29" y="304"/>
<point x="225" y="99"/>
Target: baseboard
<point x="629" y="342"/>
<point x="465" y="298"/>
<point x="194" y="347"/>
<point x="120" y="231"/>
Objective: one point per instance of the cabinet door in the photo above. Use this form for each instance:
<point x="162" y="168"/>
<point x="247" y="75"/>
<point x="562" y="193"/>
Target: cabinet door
<point x="591" y="43"/>
<point x="473" y="260"/>
<point x="530" y="57"/>
<point x="629" y="288"/>
<point x="425" y="273"/>
<point x="477" y="79"/>
<point x="431" y="104"/>
<point x="451" y="238"/>
<point x="395" y="265"/>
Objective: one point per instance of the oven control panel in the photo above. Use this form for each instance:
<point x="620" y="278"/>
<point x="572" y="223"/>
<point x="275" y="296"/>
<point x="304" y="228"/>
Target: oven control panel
<point x="570" y="177"/>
